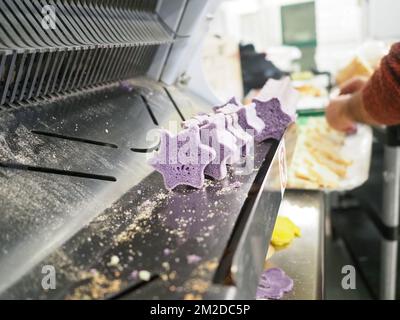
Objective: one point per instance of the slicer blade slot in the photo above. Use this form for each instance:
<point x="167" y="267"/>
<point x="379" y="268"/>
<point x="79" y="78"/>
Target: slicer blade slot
<point x="174" y="103"/>
<point x="83" y="140"/>
<point x="148" y="107"/>
<point x="147" y="150"/>
<point x="18" y="166"/>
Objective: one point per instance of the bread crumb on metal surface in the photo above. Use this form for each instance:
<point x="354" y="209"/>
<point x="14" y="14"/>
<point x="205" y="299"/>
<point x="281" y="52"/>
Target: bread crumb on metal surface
<point x="114" y="261"/>
<point x="191" y="296"/>
<point x="144" y="275"/>
<point x="98" y="286"/>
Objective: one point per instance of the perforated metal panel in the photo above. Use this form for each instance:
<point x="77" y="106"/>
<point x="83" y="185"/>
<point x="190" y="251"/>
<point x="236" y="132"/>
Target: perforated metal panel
<point x="90" y="43"/>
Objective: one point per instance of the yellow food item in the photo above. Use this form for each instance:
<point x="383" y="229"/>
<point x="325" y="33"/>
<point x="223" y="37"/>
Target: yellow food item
<point x="327" y="152"/>
<point x="357" y="67"/>
<point x="337" y="168"/>
<point x="309" y="90"/>
<point x="302" y="183"/>
<point x="302" y="75"/>
<point x="302" y="172"/>
<point x="318" y="161"/>
<point x="325" y="177"/>
<point x="284" y="232"/>
<point x="317" y="138"/>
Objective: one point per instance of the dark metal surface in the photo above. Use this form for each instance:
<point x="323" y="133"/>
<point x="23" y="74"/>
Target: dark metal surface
<point x="73" y="194"/>
<point x="36" y="208"/>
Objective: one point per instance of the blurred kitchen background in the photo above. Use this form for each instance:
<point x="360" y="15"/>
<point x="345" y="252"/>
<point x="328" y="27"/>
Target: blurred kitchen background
<point x="295" y="35"/>
<point x="320" y="44"/>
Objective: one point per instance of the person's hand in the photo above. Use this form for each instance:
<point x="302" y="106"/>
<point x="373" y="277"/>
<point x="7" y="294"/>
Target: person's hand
<point x="353" y="85"/>
<point x="337" y="116"/>
<point x="338" y="113"/>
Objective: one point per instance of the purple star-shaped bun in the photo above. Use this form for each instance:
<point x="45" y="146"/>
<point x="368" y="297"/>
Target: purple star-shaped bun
<point x="228" y="109"/>
<point x="244" y="140"/>
<point x="193" y="258"/>
<point x="276" y="121"/>
<point x="223" y="142"/>
<point x="274" y="283"/>
<point x="182" y="159"/>
<point x="232" y="100"/>
<point x="248" y="119"/>
<point x="247" y="116"/>
<point x="199" y="120"/>
<point x="284" y="92"/>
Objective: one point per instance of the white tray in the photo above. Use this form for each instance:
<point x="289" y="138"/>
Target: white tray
<point x="358" y="148"/>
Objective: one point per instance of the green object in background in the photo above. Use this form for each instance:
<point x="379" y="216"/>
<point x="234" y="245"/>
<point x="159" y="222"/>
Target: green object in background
<point x="302" y="120"/>
<point x="299" y="30"/>
<point x="311" y="112"/>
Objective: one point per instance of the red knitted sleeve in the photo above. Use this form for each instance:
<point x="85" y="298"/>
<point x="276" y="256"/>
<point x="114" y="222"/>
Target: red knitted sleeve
<point x="381" y="95"/>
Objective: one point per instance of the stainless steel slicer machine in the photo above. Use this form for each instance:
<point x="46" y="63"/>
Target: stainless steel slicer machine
<point x="81" y="84"/>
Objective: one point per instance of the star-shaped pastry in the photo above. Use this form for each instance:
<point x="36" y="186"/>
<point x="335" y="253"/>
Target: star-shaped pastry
<point x="248" y="119"/>
<point x="223" y="142"/>
<point x="247" y="116"/>
<point x="274" y="283"/>
<point x="276" y="121"/>
<point x="228" y="109"/>
<point x="182" y="159"/>
<point x="284" y="92"/>
<point x="199" y="120"/>
<point x="232" y="100"/>
<point x="244" y="140"/>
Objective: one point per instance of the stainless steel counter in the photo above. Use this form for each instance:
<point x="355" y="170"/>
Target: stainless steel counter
<point x="303" y="259"/>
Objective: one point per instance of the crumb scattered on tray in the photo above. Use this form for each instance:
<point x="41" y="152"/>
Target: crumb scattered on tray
<point x="98" y="286"/>
<point x="144" y="275"/>
<point x="192" y="258"/>
<point x="191" y="296"/>
<point x="228" y="189"/>
<point x="166" y="265"/>
<point x="197" y="285"/>
<point x="134" y="274"/>
<point x="141" y="219"/>
<point x="114" y="261"/>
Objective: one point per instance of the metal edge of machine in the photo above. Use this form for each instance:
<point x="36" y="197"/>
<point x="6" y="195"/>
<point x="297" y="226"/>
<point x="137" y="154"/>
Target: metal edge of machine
<point x="180" y="62"/>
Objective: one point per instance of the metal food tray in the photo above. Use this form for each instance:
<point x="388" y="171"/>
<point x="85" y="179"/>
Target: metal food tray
<point x="303" y="259"/>
<point x="358" y="149"/>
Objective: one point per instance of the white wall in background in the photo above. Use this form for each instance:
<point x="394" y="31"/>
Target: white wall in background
<point x="338" y="21"/>
<point x="383" y="19"/>
<point x="339" y="32"/>
<point x="231" y="13"/>
<point x="252" y="21"/>
<point x="339" y="26"/>
<point x="344" y="25"/>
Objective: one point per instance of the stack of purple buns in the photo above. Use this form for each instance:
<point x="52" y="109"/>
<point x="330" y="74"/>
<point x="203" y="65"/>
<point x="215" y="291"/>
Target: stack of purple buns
<point x="209" y="143"/>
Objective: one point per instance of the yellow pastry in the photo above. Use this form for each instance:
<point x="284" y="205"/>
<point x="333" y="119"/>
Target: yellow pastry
<point x="284" y="232"/>
<point x="337" y="168"/>
<point x="303" y="183"/>
<point x="309" y="90"/>
<point x="318" y="161"/>
<point x="357" y="67"/>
